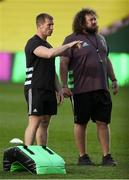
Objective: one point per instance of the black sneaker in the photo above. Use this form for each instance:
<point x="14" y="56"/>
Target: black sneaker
<point x="85" y="160"/>
<point x="108" y="161"/>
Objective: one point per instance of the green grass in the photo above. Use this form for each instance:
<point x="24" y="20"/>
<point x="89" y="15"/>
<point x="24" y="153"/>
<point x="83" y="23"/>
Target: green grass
<point x="13" y="121"/>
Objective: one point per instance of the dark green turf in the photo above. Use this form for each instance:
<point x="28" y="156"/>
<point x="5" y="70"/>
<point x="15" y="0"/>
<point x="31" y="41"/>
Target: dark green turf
<point x="13" y="121"/>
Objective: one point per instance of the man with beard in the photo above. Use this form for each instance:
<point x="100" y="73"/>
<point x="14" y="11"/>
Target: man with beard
<point x="89" y="69"/>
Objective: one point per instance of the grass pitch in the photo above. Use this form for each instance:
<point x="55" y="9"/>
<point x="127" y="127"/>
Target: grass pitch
<point x="13" y="121"/>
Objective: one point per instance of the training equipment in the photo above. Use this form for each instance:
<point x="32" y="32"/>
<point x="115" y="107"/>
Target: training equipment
<point x="35" y="159"/>
<point x="16" y="141"/>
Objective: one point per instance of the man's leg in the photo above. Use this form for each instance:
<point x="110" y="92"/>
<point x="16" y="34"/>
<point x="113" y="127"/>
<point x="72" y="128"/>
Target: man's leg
<point x="103" y="136"/>
<point x="30" y="131"/>
<point x="42" y="131"/>
<point x="80" y="138"/>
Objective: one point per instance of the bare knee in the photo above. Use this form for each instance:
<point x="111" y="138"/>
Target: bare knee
<point x="101" y="124"/>
<point x="34" y="122"/>
<point x="44" y="121"/>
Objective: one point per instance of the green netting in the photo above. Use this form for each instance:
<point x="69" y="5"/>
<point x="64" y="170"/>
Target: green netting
<point x="18" y="73"/>
<point x="57" y="65"/>
<point x="120" y="62"/>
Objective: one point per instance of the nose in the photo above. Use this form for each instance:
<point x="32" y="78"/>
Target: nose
<point x="94" y="20"/>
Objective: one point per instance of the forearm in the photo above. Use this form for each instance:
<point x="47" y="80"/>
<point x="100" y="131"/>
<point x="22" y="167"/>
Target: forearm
<point x="112" y="77"/>
<point x="110" y="71"/>
<point x="48" y="53"/>
<point x="64" y="71"/>
<point x="57" y="83"/>
<point x="58" y="51"/>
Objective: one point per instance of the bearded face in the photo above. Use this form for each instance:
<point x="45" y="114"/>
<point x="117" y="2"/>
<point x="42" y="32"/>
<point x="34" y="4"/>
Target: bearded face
<point x="90" y="24"/>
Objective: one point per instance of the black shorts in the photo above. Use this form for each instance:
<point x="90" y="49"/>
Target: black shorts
<point x="95" y="105"/>
<point x="40" y="102"/>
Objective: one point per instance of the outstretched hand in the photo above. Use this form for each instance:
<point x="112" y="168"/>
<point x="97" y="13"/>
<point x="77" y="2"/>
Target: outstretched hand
<point x="75" y="44"/>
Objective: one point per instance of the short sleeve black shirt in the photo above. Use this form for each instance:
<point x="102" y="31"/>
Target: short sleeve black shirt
<point x="40" y="72"/>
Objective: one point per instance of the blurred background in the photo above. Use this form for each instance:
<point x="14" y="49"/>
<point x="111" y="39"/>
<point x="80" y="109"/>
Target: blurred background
<point x="17" y="25"/>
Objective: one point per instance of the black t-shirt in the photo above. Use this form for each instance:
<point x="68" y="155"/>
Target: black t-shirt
<point x="40" y="72"/>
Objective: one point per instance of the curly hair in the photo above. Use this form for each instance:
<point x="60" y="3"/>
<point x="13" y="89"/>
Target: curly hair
<point x="79" y="19"/>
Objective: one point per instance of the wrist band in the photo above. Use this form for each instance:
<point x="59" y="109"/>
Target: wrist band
<point x="114" y="80"/>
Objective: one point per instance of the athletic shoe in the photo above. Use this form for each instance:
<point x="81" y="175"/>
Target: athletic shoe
<point x="85" y="160"/>
<point x="108" y="161"/>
